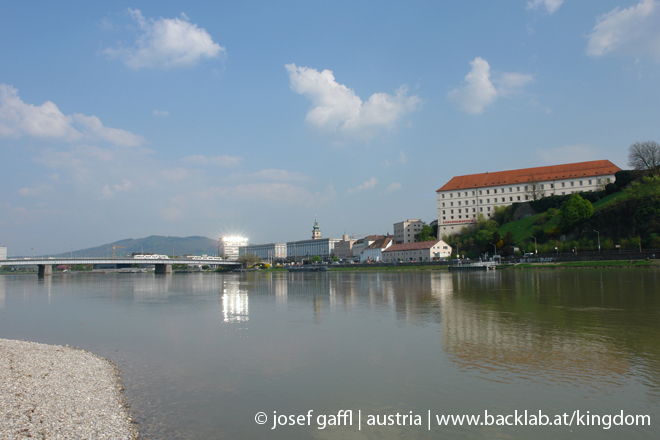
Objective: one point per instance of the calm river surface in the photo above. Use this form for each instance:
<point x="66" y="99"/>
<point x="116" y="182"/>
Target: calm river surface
<point x="202" y="354"/>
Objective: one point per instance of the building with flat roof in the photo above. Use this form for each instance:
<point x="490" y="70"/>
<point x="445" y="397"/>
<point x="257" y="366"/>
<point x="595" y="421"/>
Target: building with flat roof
<point x="267" y="252"/>
<point x="408" y="231"/>
<point x="464" y="198"/>
<point x="228" y="247"/>
<point x="304" y="249"/>
<point x="344" y="248"/>
<point x="3" y="253"/>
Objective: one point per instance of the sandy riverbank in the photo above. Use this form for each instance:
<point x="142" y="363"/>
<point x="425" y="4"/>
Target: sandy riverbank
<point x="55" y="392"/>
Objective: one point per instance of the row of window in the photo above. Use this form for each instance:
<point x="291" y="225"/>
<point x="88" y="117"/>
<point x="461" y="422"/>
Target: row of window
<point x="528" y="187"/>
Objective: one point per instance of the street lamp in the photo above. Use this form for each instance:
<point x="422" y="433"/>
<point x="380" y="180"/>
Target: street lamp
<point x="535" y="250"/>
<point x="557" y="249"/>
<point x="494" y="247"/>
<point x="598" y="239"/>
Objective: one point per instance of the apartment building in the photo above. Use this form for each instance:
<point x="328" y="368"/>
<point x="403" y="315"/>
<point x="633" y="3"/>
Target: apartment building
<point x="407" y="231"/>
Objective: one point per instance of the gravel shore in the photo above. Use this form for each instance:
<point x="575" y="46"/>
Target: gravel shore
<point x="55" y="392"/>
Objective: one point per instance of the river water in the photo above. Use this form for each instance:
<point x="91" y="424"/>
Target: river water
<point x="202" y="354"/>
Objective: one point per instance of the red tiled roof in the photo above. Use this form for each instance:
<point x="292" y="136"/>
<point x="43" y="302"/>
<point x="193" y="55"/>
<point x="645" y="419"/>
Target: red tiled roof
<point x="538" y="174"/>
<point x="411" y="246"/>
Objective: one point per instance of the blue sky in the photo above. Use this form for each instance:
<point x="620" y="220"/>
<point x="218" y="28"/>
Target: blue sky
<point x="127" y="119"/>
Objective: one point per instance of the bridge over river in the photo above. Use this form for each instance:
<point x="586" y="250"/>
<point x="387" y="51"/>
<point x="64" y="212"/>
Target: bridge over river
<point x="162" y="265"/>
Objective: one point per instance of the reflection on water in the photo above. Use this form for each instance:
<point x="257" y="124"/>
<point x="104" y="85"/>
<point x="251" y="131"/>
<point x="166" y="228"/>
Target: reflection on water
<point x="512" y="342"/>
<point x="234" y="302"/>
<point x="201" y="354"/>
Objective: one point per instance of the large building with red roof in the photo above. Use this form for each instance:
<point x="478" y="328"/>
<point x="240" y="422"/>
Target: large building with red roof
<point x="464" y="198"/>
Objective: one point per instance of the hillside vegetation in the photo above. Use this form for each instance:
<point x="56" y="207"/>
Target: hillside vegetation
<point x="625" y="214"/>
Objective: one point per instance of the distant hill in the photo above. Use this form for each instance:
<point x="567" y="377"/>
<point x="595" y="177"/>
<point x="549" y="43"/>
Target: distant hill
<point x="154" y="244"/>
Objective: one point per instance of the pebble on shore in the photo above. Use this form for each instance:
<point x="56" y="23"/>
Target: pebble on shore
<point x="55" y="392"/>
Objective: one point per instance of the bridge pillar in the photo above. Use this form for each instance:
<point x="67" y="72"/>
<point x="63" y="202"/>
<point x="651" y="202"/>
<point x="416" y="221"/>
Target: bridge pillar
<point x="163" y="269"/>
<point x="45" y="270"/>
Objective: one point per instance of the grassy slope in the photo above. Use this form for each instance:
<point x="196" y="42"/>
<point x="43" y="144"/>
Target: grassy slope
<point x="522" y="229"/>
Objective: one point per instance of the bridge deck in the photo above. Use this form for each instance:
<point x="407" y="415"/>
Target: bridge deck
<point x="137" y="261"/>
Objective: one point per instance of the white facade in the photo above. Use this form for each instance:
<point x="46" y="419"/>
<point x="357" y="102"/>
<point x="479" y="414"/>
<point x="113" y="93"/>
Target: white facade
<point x="421" y="251"/>
<point x="323" y="247"/>
<point x="375" y="251"/>
<point x="407" y="231"/>
<point x="464" y="198"/>
<point x="228" y="247"/>
<point x="267" y="252"/>
<point x="3" y="253"/>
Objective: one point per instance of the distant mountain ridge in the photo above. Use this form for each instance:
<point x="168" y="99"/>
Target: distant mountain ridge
<point x="155" y="244"/>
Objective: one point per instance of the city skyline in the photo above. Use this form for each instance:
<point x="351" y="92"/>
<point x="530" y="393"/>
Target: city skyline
<point x="130" y="119"/>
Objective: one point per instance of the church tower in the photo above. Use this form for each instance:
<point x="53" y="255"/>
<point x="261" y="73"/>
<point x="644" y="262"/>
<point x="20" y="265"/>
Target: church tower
<point x="316" y="232"/>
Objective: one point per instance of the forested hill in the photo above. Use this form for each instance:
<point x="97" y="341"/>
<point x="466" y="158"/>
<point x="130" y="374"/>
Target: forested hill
<point x="154" y="244"/>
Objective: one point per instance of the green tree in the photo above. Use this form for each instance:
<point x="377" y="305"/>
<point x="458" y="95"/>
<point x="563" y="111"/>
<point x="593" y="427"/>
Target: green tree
<point x="575" y="210"/>
<point x="315" y="259"/>
<point x="249" y="259"/>
<point x="426" y="234"/>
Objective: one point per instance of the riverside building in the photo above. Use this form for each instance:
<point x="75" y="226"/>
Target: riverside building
<point x="267" y="252"/>
<point x="417" y="252"/>
<point x="463" y="198"/>
<point x="305" y="249"/>
<point x="407" y="231"/>
<point x="228" y="247"/>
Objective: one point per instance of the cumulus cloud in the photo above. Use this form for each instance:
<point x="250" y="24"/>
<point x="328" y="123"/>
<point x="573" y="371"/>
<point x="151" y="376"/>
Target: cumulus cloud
<point x="222" y="161"/>
<point x="478" y="91"/>
<point x="336" y="108"/>
<point x="550" y="5"/>
<point x="167" y="43"/>
<point x="366" y="185"/>
<point x="392" y="187"/>
<point x="634" y="30"/>
<point x="161" y="113"/>
<point x="46" y="121"/>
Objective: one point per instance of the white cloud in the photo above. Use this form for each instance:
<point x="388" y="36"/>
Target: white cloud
<point x="366" y="185"/>
<point x="336" y="108"/>
<point x="161" y="113"/>
<point x="110" y="190"/>
<point x="634" y="30"/>
<point x="167" y="43"/>
<point x="512" y="83"/>
<point x="18" y="119"/>
<point x="402" y="159"/>
<point x="45" y="121"/>
<point x="478" y="91"/>
<point x="222" y="161"/>
<point x="568" y="153"/>
<point x="550" y="5"/>
<point x="392" y="187"/>
<point x="94" y="130"/>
